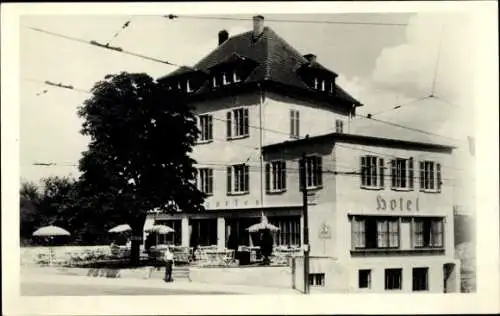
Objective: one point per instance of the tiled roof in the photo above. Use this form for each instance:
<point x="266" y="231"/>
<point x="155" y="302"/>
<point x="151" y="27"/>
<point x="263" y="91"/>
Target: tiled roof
<point x="276" y="60"/>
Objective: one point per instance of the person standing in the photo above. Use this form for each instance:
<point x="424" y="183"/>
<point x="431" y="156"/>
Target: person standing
<point x="169" y="262"/>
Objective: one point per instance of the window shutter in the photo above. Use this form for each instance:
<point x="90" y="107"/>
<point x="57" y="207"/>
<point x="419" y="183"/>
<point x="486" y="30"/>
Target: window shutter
<point x="393" y="173"/>
<point x="196" y="178"/>
<point x="268" y="177"/>
<point x="292" y="123"/>
<point x="319" y="171"/>
<point x="363" y="170"/>
<point x="211" y="180"/>
<point x="246" y="178"/>
<point x="422" y="171"/>
<point x="229" y="180"/>
<point x="381" y="171"/>
<point x="210" y="127"/>
<point x="438" y="176"/>
<point x="411" y="175"/>
<point x="229" y="125"/>
<point x="283" y="175"/>
<point x="245" y="121"/>
<point x="302" y="179"/>
<point x="297" y="123"/>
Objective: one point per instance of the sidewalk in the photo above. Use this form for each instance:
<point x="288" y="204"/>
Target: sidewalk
<point x="33" y="277"/>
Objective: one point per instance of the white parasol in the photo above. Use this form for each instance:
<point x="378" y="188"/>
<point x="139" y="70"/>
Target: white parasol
<point x="120" y="228"/>
<point x="160" y="229"/>
<point x="51" y="231"/>
<point x="263" y="225"/>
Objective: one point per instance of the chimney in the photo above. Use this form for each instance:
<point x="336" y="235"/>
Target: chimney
<point x="310" y="57"/>
<point x="258" y="25"/>
<point x="223" y="36"/>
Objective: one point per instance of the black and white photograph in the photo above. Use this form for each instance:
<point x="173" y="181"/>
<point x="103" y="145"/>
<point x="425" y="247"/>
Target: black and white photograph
<point x="244" y="151"/>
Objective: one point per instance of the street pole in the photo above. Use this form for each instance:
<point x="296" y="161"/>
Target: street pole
<point x="303" y="186"/>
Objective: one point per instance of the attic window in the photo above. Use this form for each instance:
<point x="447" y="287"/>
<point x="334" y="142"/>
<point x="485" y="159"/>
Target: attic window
<point x="226" y="77"/>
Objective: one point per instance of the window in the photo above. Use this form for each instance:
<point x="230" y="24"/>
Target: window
<point x="317" y="279"/>
<point x="364" y="279"/>
<point x="205" y="125"/>
<point x="428" y="232"/>
<point x="372" y="172"/>
<point x="393" y="279"/>
<point x="237" y="179"/>
<point x="315" y="83"/>
<point x="339" y="126"/>
<point x="374" y="232"/>
<point x="402" y="173"/>
<point x="276" y="176"/>
<point x="206" y="180"/>
<point x="420" y="278"/>
<point x="289" y="230"/>
<point x="332" y="85"/>
<point x="236" y="77"/>
<point x="294" y="124"/>
<point x="237" y="123"/>
<point x="314" y="172"/>
<point x="188" y="87"/>
<point x="323" y="82"/>
<point x="430" y="176"/>
<point x="388" y="233"/>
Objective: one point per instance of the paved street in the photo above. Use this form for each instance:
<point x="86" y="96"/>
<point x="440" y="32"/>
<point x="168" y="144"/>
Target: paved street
<point x="54" y="289"/>
<point x="44" y="282"/>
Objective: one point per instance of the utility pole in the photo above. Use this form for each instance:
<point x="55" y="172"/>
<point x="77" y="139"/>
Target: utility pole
<point x="303" y="186"/>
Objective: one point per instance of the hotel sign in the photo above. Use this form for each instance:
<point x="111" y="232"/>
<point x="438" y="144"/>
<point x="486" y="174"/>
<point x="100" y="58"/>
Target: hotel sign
<point x="397" y="204"/>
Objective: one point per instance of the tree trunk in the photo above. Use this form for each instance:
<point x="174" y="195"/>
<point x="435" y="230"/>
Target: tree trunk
<point x="135" y="250"/>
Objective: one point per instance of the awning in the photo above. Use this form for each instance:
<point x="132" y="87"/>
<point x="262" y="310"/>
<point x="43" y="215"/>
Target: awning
<point x="149" y="223"/>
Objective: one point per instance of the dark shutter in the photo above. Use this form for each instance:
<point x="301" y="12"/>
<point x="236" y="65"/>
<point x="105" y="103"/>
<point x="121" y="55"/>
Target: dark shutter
<point x="381" y="171"/>
<point x="196" y="178"/>
<point x="210" y="128"/>
<point x="229" y="125"/>
<point x="438" y="176"/>
<point x="411" y="174"/>
<point x="363" y="170"/>
<point x="319" y="171"/>
<point x="283" y="175"/>
<point x="422" y="171"/>
<point x="210" y="181"/>
<point x="297" y="123"/>
<point x="229" y="180"/>
<point x="268" y="177"/>
<point x="393" y="173"/>
<point x="246" y="178"/>
<point x="292" y="123"/>
<point x="245" y="121"/>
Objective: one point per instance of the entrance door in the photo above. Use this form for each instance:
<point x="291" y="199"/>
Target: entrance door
<point x="449" y="278"/>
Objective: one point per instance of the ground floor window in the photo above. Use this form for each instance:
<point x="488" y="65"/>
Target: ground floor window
<point x="393" y="279"/>
<point x="364" y="279"/>
<point x="237" y="233"/>
<point x="289" y="230"/>
<point x="420" y="279"/>
<point x="203" y="232"/>
<point x="317" y="279"/>
<point x="369" y="232"/>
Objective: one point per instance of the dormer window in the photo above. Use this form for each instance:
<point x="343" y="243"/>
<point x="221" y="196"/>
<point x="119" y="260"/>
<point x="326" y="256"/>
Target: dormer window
<point x="214" y="82"/>
<point x="188" y="87"/>
<point x="224" y="79"/>
<point x="323" y="85"/>
<point x="236" y="77"/>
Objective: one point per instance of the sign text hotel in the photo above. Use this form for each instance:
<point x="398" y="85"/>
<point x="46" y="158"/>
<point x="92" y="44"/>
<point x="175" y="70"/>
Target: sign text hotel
<point x="397" y="204"/>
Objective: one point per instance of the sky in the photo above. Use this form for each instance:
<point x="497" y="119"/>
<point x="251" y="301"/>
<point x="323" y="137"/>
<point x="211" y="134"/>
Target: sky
<point x="381" y="65"/>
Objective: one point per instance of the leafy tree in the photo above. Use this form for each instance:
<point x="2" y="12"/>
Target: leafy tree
<point x="29" y="200"/>
<point x="138" y="159"/>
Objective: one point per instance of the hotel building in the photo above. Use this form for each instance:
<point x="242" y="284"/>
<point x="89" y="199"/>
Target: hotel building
<point x="378" y="211"/>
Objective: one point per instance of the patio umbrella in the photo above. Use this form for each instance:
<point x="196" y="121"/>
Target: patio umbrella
<point x="120" y="228"/>
<point x="263" y="225"/>
<point x="160" y="230"/>
<point x="51" y="231"/>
